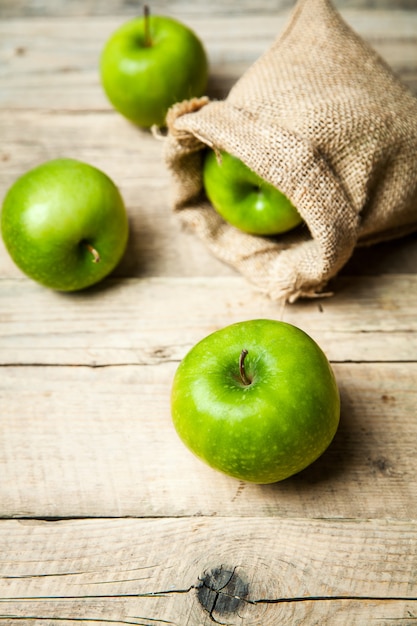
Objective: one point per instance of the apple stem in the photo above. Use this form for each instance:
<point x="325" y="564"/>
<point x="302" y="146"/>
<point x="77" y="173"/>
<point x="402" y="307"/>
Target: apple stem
<point x="245" y="380"/>
<point x="148" y="39"/>
<point x="96" y="256"/>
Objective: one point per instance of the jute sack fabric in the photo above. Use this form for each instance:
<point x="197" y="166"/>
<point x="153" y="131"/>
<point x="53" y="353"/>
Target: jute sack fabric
<point x="323" y="118"/>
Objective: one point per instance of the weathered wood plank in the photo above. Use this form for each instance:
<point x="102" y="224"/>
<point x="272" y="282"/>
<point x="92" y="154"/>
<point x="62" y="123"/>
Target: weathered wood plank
<point x="53" y="63"/>
<point x="150" y="321"/>
<point x="79" y="441"/>
<point x="179" y="8"/>
<point x="143" y="572"/>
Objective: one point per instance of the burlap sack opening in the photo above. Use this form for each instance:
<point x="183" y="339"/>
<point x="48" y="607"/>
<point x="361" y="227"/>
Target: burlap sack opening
<point x="323" y="118"/>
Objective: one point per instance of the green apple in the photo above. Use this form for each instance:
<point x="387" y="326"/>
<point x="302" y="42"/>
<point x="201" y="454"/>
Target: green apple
<point x="64" y="224"/>
<point x="149" y="64"/>
<point x="257" y="400"/>
<point x="244" y="199"/>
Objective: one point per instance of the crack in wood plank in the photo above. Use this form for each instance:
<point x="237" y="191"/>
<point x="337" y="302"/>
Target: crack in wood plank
<point x="100" y="620"/>
<point x="167" y="593"/>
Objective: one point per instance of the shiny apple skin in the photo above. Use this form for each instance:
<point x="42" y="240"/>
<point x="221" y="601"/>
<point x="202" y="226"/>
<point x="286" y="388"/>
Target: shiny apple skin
<point x="143" y="81"/>
<point x="52" y="212"/>
<point x="244" y="199"/>
<point x="266" y="431"/>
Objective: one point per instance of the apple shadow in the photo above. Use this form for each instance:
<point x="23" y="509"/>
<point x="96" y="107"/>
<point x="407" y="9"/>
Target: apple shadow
<point x="137" y="259"/>
<point x="387" y="257"/>
<point x="219" y="85"/>
<point x="133" y="262"/>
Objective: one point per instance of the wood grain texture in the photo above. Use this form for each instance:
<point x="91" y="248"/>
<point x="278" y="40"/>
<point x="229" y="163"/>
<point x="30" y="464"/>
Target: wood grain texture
<point x="53" y="63"/>
<point x="157" y="320"/>
<point x="178" y="8"/>
<point x="291" y="571"/>
<point x="80" y="441"/>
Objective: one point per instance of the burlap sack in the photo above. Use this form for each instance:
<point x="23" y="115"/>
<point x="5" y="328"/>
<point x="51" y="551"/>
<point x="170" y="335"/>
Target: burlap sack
<point x="323" y="118"/>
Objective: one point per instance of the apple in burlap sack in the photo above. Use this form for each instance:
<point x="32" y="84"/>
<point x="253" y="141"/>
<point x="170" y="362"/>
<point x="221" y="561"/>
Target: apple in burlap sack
<point x="324" y="119"/>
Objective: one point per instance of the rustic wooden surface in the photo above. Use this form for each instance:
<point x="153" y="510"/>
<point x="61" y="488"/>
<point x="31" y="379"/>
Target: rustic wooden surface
<point x="105" y="516"/>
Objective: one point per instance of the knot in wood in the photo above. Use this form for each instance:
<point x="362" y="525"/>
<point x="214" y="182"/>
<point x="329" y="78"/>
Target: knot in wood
<point x="221" y="590"/>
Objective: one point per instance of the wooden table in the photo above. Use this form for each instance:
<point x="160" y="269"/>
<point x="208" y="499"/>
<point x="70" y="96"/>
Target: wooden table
<point x="105" y="516"/>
